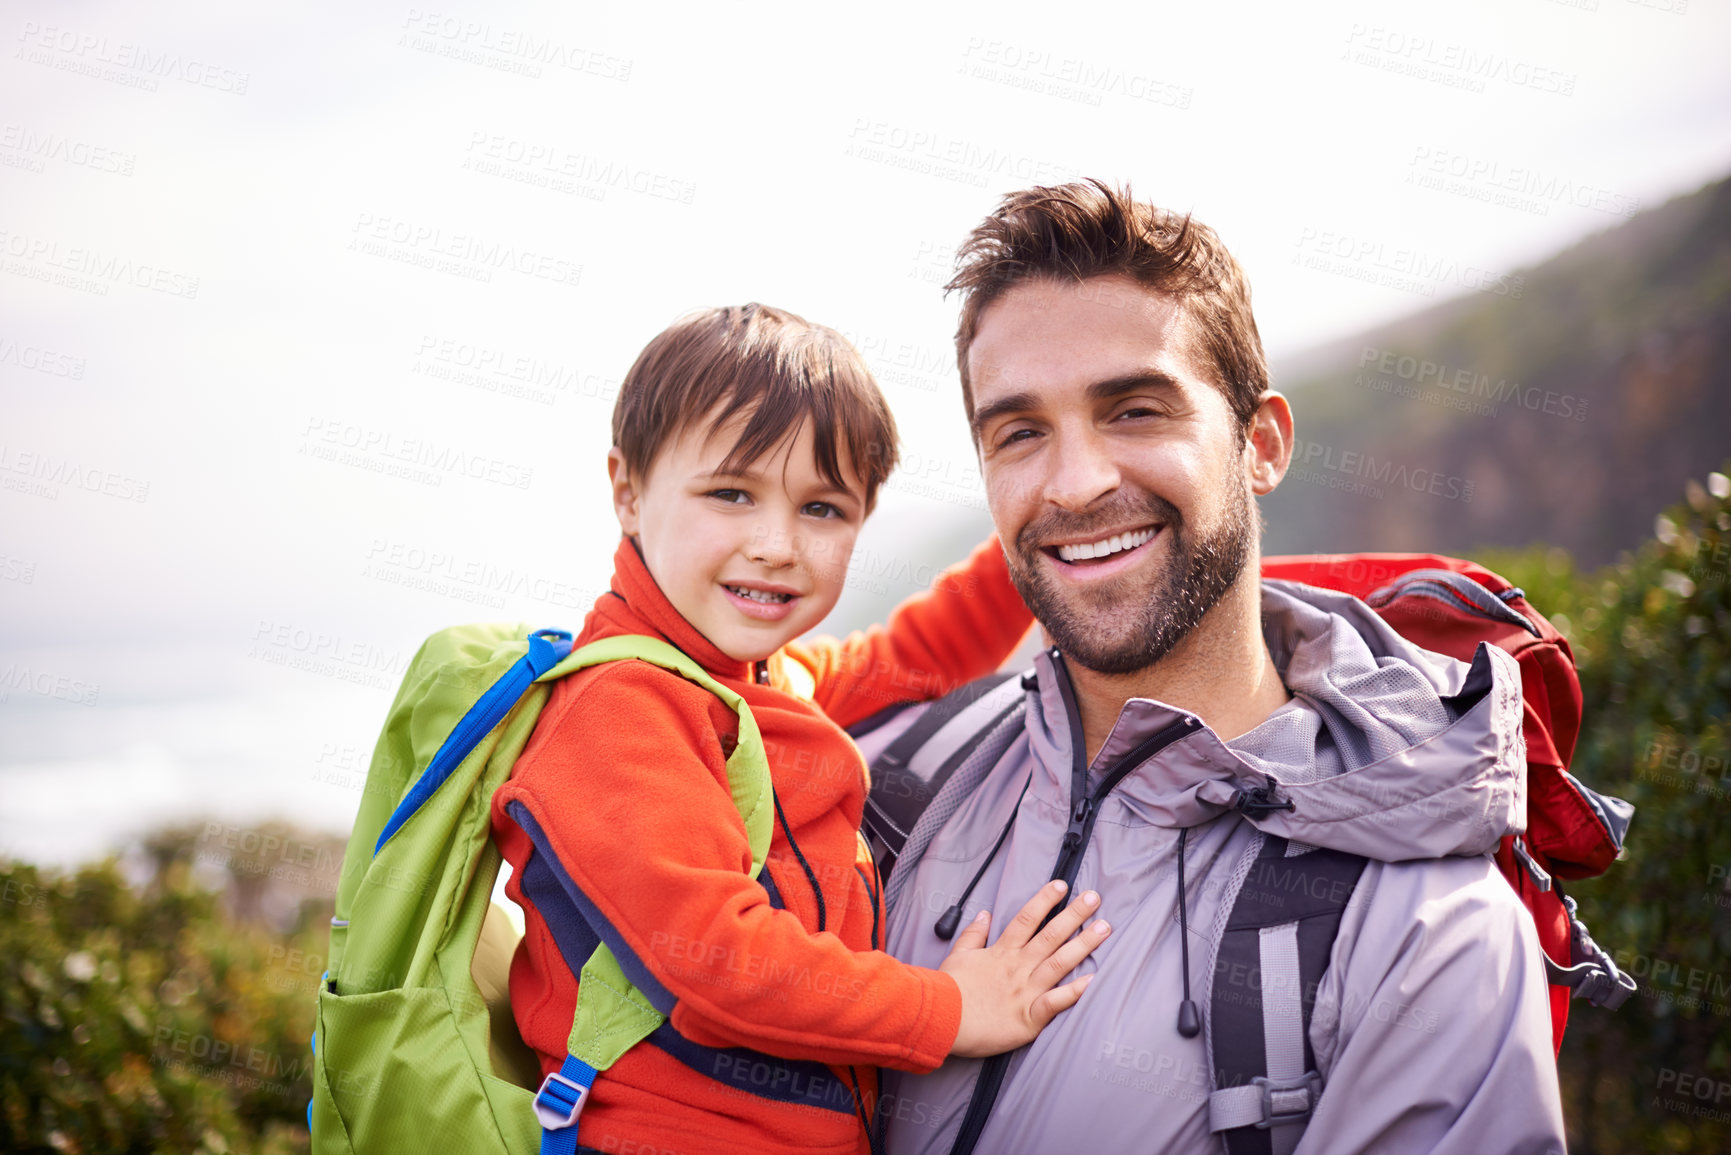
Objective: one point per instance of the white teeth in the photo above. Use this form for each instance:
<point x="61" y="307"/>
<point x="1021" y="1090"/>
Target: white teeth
<point x="1117" y="543"/>
<point x="763" y="596"/>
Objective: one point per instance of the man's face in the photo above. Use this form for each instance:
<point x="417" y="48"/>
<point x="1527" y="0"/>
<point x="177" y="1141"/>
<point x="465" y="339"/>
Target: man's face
<point x="1119" y="480"/>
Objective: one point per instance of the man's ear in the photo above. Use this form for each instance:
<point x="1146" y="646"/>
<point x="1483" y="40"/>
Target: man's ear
<point x="624" y="491"/>
<point x="1268" y="446"/>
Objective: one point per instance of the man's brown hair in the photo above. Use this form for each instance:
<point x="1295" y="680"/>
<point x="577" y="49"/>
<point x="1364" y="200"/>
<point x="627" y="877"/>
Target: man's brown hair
<point x="778" y="369"/>
<point x="1083" y="229"/>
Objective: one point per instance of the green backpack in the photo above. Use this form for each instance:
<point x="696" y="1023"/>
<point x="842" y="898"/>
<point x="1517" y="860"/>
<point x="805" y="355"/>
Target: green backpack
<point x="414" y="1046"/>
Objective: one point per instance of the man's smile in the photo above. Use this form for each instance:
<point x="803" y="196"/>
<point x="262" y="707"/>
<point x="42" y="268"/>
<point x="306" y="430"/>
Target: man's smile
<point x="1104" y="546"/>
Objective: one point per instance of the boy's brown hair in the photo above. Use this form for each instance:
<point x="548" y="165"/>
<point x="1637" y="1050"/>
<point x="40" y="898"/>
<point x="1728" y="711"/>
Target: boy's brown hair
<point x="777" y="368"/>
<point x="1083" y="229"/>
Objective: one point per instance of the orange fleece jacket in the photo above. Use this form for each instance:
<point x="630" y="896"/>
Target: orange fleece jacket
<point x="618" y="823"/>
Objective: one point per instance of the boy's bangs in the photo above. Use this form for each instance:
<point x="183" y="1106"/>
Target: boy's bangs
<point x="846" y="434"/>
<point x="774" y="370"/>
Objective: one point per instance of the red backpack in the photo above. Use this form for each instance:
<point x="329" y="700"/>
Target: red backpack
<point x="1449" y="606"/>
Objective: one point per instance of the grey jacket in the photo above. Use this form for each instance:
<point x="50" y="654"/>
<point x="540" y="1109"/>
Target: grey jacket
<point x="1431" y="1025"/>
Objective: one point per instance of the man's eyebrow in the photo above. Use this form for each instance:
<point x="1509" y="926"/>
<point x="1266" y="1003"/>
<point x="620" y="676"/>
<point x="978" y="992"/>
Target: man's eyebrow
<point x="1011" y="403"/>
<point x="1103" y="390"/>
<point x="1130" y="382"/>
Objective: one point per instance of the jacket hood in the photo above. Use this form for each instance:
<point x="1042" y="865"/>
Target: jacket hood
<point x="1385" y="750"/>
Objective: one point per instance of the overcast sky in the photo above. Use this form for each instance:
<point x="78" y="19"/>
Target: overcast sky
<point x="310" y="317"/>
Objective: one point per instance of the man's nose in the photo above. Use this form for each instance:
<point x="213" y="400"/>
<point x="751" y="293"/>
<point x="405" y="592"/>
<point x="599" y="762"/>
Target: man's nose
<point x="1082" y="472"/>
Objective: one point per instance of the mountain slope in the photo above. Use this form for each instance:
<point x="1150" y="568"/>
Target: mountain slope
<point x="1570" y="414"/>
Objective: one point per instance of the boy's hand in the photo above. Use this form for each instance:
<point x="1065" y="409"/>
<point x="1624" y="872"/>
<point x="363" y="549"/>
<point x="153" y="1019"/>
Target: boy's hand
<point x="1008" y="993"/>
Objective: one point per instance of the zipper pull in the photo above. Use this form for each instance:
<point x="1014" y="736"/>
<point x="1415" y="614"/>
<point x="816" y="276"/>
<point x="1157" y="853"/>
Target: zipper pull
<point x="1540" y="878"/>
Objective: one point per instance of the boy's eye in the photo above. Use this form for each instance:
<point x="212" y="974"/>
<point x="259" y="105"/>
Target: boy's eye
<point x="820" y="509"/>
<point x="730" y="496"/>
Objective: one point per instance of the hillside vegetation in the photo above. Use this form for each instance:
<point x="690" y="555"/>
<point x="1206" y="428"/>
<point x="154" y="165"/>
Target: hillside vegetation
<point x="1567" y="411"/>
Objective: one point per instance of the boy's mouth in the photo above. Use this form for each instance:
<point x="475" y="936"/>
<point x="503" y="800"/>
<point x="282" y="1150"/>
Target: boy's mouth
<point x="764" y="597"/>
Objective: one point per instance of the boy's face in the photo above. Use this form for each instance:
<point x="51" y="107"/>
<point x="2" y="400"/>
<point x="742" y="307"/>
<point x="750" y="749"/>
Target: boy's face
<point x="752" y="559"/>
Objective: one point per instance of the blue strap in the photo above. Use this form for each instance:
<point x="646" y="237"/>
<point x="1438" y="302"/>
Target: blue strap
<point x="559" y="1102"/>
<point x="314" y="1043"/>
<point x="547" y="648"/>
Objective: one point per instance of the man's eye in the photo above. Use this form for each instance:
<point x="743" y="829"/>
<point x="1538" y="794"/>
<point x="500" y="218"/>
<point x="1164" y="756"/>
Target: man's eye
<point x="731" y="496"/>
<point x="820" y="509"/>
<point x="1140" y="411"/>
<point x="1013" y="436"/>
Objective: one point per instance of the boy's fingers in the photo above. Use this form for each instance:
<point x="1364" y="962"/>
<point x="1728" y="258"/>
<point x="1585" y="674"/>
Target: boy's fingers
<point x="1065" y="923"/>
<point x="1045" y="1008"/>
<point x="973" y="936"/>
<point x="1069" y="956"/>
<point x="1027" y="920"/>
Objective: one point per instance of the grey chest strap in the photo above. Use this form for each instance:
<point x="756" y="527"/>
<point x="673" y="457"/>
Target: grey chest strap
<point x="1272" y="956"/>
<point x="909" y="774"/>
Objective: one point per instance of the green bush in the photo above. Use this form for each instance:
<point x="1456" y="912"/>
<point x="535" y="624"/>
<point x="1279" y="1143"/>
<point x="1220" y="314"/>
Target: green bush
<point x="144" y="1018"/>
<point x="1652" y="639"/>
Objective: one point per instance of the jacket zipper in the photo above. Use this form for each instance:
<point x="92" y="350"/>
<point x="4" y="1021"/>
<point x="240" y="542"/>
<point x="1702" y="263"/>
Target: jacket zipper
<point x="1084" y="810"/>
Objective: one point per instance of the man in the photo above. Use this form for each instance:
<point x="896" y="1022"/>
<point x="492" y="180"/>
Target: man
<point x="1189" y="717"/>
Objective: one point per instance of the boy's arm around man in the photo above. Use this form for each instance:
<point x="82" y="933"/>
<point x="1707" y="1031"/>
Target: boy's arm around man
<point x="962" y="628"/>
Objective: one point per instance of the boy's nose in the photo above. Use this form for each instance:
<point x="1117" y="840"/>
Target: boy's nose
<point x="772" y="546"/>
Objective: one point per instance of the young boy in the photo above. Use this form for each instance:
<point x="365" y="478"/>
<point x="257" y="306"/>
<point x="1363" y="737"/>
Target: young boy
<point x="749" y="446"/>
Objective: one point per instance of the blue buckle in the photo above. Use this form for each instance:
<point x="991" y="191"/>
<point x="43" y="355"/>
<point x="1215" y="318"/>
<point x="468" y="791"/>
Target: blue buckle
<point x="559" y="1102"/>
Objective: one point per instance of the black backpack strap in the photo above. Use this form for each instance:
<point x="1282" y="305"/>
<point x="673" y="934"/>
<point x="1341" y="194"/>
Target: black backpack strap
<point x="910" y="771"/>
<point x="1272" y="957"/>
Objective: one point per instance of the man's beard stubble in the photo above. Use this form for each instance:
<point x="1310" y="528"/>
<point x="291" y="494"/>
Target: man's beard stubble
<point x="1119" y="630"/>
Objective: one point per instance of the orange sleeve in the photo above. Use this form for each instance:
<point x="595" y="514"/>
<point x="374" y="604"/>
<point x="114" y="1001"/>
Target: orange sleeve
<point x="624" y="791"/>
<point x="963" y="628"/>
